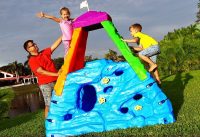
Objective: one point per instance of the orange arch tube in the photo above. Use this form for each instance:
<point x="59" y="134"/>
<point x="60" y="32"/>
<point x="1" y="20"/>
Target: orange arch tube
<point x="74" y="60"/>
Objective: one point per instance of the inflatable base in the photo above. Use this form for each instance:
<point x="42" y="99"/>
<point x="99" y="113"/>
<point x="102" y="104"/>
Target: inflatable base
<point x="104" y="96"/>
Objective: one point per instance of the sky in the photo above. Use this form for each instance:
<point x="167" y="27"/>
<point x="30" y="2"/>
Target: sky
<point x="18" y="23"/>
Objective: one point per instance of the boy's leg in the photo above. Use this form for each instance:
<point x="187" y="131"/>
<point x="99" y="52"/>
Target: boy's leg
<point x="46" y="110"/>
<point x="152" y="65"/>
<point x="149" y="52"/>
<point x="146" y="53"/>
<point x="156" y="74"/>
<point x="152" y="53"/>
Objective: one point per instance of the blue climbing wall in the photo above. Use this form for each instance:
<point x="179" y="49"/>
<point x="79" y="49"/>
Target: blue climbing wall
<point x="106" y="95"/>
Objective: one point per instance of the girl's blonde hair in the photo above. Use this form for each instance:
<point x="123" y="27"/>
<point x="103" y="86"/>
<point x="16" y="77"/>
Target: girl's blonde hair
<point x="64" y="9"/>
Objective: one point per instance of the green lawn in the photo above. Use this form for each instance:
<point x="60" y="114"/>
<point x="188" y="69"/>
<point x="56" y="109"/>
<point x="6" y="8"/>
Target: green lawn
<point x="26" y="125"/>
<point x="182" y="89"/>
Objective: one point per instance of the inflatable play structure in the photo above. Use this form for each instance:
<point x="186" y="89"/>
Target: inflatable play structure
<point x="103" y="95"/>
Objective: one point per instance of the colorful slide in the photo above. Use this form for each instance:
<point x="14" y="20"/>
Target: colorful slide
<point x="89" y="21"/>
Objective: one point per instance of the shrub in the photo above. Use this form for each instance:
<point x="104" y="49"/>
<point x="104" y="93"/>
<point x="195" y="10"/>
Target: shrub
<point x="6" y="96"/>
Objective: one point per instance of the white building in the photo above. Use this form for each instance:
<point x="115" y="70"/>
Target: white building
<point x="26" y="79"/>
<point x="4" y="75"/>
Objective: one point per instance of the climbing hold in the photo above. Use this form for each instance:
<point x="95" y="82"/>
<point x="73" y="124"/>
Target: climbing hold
<point x="50" y="120"/>
<point x="67" y="117"/>
<point x="108" y="89"/>
<point x="162" y="101"/>
<point x="124" y="110"/>
<point x="137" y="97"/>
<point x="54" y="101"/>
<point x="102" y="100"/>
<point x="150" y="84"/>
<point x="119" y="72"/>
<point x="138" y="107"/>
<point x="105" y="80"/>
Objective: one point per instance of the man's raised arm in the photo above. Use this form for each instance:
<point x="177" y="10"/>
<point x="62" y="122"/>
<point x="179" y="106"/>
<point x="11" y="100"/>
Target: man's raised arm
<point x="56" y="44"/>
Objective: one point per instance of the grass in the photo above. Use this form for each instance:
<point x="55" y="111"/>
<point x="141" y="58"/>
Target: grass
<point x="25" y="125"/>
<point x="6" y="95"/>
<point x="182" y="89"/>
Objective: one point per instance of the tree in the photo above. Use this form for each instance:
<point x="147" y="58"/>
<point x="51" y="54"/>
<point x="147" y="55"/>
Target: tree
<point x="89" y="58"/>
<point x="180" y="51"/>
<point x="198" y="13"/>
<point x="58" y="62"/>
<point x="16" y="68"/>
<point x="27" y="70"/>
<point x="112" y="55"/>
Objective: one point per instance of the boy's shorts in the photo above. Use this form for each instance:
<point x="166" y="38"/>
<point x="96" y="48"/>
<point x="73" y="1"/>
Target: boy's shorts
<point x="46" y="90"/>
<point x="151" y="52"/>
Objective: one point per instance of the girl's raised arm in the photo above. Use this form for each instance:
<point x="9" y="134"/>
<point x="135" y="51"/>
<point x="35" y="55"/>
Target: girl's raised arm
<point x="44" y="15"/>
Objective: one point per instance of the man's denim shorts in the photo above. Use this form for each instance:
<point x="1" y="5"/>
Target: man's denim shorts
<point x="46" y="90"/>
<point x="151" y="52"/>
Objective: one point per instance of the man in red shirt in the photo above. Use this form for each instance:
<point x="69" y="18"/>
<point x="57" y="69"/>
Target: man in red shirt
<point x="43" y="67"/>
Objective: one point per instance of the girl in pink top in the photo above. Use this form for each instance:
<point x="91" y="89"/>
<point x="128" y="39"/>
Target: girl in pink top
<point x="65" y="23"/>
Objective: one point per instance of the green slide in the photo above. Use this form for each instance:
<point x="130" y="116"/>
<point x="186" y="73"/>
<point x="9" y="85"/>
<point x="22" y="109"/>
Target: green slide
<point x="122" y="46"/>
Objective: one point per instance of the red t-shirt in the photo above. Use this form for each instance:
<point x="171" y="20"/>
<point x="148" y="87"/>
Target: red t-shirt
<point x="43" y="60"/>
